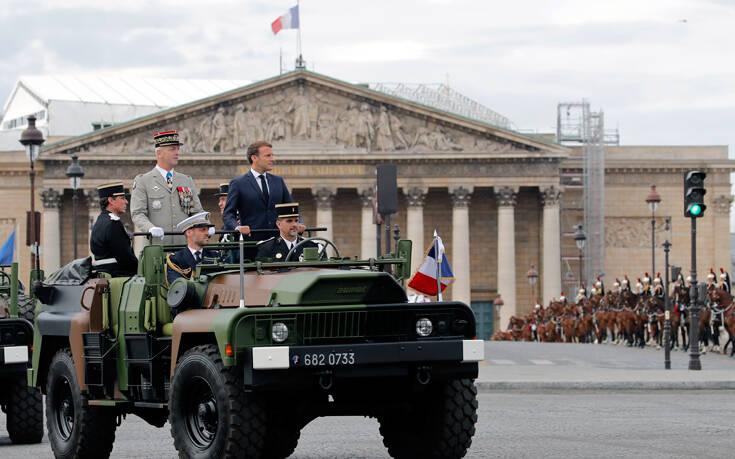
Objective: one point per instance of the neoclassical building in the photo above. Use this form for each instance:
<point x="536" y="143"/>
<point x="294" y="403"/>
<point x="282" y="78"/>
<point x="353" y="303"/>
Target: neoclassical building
<point x="501" y="200"/>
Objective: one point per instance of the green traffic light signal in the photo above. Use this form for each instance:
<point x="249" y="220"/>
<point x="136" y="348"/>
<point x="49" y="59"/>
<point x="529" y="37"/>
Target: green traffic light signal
<point x="695" y="210"/>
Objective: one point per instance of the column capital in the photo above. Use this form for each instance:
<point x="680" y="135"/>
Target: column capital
<point x="51" y="198"/>
<point x="366" y="197"/>
<point x="415" y="196"/>
<point x="324" y="197"/>
<point x="460" y="196"/>
<point x="722" y="204"/>
<point x="506" y="196"/>
<point x="550" y="196"/>
<point x="93" y="199"/>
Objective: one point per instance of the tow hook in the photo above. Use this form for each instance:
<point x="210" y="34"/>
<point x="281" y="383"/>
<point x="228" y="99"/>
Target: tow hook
<point x="423" y="375"/>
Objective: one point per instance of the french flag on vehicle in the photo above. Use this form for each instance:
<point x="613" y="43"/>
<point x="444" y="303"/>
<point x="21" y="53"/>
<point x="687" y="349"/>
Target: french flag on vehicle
<point x="290" y="20"/>
<point x="424" y="280"/>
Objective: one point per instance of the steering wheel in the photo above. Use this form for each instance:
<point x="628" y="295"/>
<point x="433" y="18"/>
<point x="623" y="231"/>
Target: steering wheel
<point x="322" y="252"/>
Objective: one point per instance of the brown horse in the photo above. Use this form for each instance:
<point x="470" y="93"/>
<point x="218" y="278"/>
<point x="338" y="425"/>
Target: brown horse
<point x="721" y="298"/>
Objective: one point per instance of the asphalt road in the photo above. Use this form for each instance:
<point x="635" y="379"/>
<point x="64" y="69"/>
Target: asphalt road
<point x="657" y="424"/>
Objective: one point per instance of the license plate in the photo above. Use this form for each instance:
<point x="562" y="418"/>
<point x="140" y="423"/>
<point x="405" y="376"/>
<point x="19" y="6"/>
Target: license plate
<point x="324" y="359"/>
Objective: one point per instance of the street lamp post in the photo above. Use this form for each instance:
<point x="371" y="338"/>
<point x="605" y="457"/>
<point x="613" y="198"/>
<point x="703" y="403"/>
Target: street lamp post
<point x="580" y="238"/>
<point x="75" y="172"/>
<point x="532" y="276"/>
<point x="653" y="199"/>
<point x="32" y="138"/>
<point x="667" y="300"/>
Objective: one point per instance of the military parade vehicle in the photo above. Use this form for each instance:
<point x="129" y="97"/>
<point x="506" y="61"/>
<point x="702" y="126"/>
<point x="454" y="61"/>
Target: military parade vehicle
<point x="256" y="351"/>
<point x="21" y="404"/>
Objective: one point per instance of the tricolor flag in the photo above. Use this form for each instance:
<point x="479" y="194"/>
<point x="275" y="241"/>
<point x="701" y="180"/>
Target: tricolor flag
<point x="7" y="251"/>
<point x="290" y="20"/>
<point x="424" y="280"/>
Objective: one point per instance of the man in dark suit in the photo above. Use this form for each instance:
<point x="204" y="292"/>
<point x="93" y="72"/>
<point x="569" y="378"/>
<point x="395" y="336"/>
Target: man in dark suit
<point x="110" y="241"/>
<point x="197" y="229"/>
<point x="277" y="248"/>
<point x="253" y="196"/>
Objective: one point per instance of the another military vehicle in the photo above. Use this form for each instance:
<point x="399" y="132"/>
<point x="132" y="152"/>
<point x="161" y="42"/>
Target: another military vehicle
<point x="21" y="404"/>
<point x="256" y="351"/>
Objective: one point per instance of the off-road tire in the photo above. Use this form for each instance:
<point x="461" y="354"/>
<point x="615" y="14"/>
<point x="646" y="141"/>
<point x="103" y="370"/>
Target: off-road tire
<point x="438" y="424"/>
<point x="25" y="412"/>
<point x="241" y="418"/>
<point x="26" y="307"/>
<point x="91" y="433"/>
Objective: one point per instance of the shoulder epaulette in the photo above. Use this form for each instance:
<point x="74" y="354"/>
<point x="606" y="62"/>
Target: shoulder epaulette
<point x="265" y="240"/>
<point x="185" y="272"/>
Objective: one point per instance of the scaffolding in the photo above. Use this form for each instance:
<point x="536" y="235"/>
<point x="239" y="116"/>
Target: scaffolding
<point x="442" y="97"/>
<point x="577" y="125"/>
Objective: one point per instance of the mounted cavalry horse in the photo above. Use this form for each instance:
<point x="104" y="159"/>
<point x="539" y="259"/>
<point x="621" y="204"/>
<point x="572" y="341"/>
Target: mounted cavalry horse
<point x="723" y="304"/>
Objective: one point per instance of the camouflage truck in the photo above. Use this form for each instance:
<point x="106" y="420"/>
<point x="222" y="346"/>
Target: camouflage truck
<point x="255" y="352"/>
<point x="21" y="404"/>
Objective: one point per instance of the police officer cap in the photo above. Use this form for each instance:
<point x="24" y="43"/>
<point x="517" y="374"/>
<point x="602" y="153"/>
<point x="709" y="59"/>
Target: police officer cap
<point x="195" y="221"/>
<point x="287" y="210"/>
<point x="111" y="190"/>
<point x="224" y="188"/>
<point x="161" y="139"/>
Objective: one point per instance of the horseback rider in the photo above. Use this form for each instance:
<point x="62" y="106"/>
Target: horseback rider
<point x="658" y="287"/>
<point x="581" y="294"/>
<point x="599" y="287"/>
<point x="616" y="285"/>
<point x="725" y="281"/>
<point x="711" y="278"/>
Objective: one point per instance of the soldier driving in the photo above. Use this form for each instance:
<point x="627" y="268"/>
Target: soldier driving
<point x="109" y="241"/>
<point x="163" y="197"/>
<point x="288" y="225"/>
<point x="197" y="229"/>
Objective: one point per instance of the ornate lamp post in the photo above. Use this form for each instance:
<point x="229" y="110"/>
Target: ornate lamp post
<point x="580" y="238"/>
<point x="75" y="172"/>
<point x="653" y="199"/>
<point x="532" y="276"/>
<point x="667" y="300"/>
<point x="32" y="138"/>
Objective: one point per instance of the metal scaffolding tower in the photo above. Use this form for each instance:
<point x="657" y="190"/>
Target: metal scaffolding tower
<point x="444" y="98"/>
<point x="577" y="125"/>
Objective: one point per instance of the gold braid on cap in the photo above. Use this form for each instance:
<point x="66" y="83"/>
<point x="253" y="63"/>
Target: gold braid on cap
<point x="185" y="272"/>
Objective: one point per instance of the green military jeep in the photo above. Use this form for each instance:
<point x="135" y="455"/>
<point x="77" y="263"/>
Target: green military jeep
<point x="21" y="404"/>
<point x="256" y="351"/>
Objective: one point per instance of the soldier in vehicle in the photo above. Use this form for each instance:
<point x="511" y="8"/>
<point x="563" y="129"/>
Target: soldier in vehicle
<point x="110" y="241"/>
<point x="163" y="197"/>
<point x="288" y="226"/>
<point x="227" y="255"/>
<point x="197" y="229"/>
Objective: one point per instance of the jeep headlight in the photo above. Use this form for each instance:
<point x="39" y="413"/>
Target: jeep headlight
<point x="424" y="327"/>
<point x="279" y="332"/>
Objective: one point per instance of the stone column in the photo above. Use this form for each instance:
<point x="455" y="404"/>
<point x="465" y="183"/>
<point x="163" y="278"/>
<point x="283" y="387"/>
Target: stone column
<point x="415" y="198"/>
<point x="50" y="231"/>
<point x="506" y="198"/>
<point x="93" y="209"/>
<point x="324" y="201"/>
<point x="461" y="243"/>
<point x="551" y="270"/>
<point x="721" y="232"/>
<point x="368" y="245"/>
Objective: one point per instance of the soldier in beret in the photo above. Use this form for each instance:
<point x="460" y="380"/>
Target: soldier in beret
<point x="163" y="197"/>
<point x="110" y="241"/>
<point x="197" y="229"/>
<point x="288" y="227"/>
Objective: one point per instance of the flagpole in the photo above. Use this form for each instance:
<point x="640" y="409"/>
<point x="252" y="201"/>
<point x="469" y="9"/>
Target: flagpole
<point x="300" y="59"/>
<point x="438" y="268"/>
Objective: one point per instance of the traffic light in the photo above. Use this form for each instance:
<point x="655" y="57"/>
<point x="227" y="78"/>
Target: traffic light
<point x="694" y="194"/>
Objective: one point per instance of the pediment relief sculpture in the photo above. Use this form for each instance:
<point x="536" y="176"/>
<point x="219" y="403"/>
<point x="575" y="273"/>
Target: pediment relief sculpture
<point x="303" y="113"/>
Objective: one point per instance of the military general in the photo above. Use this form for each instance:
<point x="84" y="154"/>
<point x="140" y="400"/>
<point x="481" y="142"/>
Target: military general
<point x="109" y="241"/>
<point x="162" y="197"/>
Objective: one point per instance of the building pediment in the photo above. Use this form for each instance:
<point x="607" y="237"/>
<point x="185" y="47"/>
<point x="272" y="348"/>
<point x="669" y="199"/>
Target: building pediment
<point x="303" y="111"/>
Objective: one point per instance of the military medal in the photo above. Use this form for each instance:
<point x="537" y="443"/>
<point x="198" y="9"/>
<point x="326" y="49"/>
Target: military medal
<point x="185" y="198"/>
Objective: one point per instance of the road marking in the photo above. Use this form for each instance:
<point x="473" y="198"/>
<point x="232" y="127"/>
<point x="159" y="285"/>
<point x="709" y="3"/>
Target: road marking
<point x="541" y="362"/>
<point x="501" y="362"/>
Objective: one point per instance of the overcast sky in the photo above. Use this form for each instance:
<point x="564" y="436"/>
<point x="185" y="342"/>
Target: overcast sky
<point x="662" y="70"/>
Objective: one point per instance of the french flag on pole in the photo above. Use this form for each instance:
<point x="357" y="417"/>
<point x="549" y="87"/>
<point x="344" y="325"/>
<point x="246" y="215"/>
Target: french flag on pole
<point x="290" y="20"/>
<point x="425" y="279"/>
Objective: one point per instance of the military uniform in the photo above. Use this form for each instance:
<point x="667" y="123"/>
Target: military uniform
<point x="277" y="248"/>
<point x="155" y="202"/>
<point x="183" y="262"/>
<point x="110" y="242"/>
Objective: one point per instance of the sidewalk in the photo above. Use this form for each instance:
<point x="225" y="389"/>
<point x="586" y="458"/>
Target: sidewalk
<point x="559" y="366"/>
